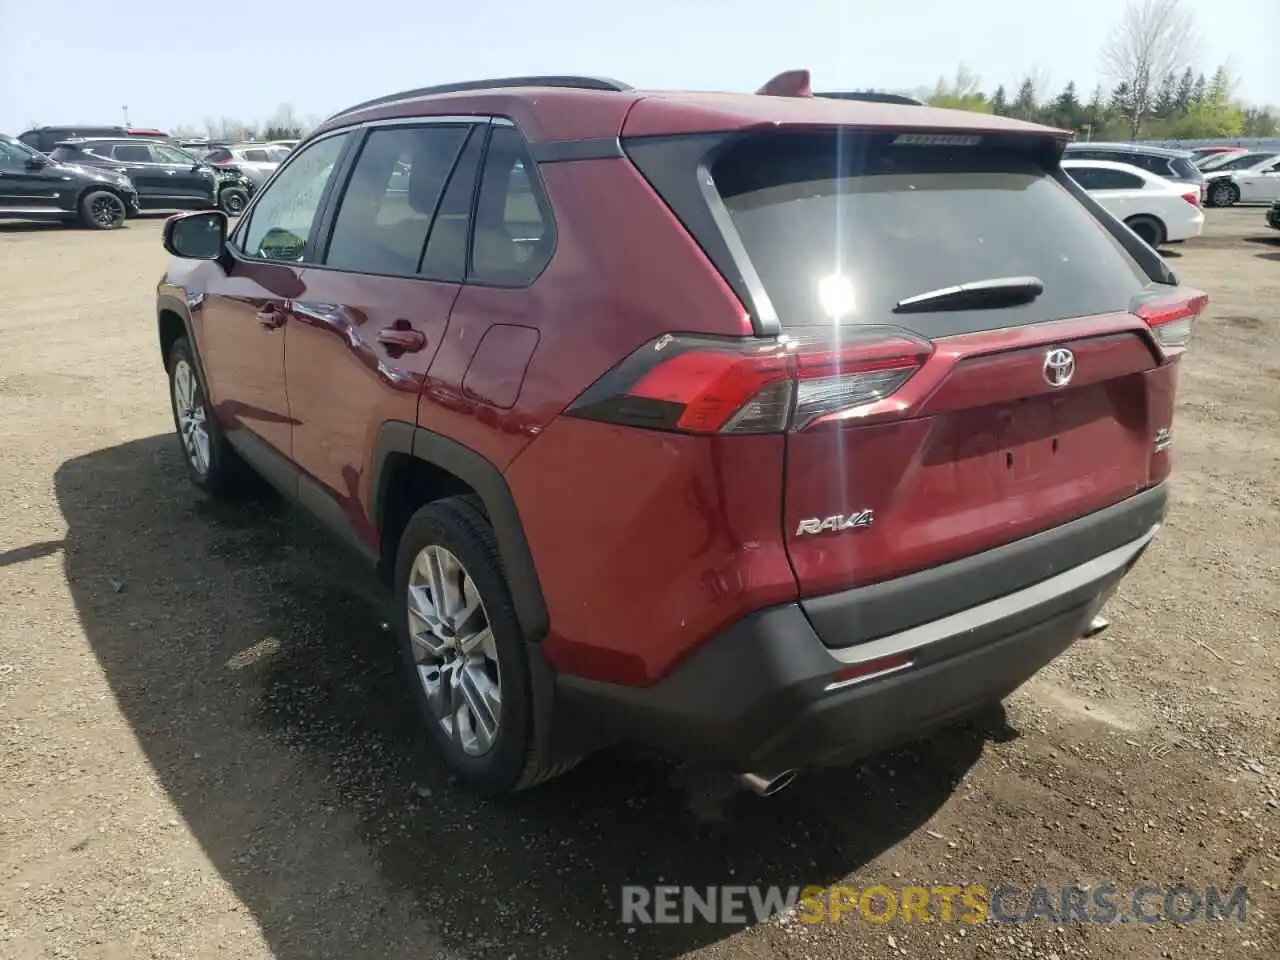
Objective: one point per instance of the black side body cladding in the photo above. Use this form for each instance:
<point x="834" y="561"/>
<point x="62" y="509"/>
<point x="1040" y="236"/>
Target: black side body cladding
<point x="489" y="484"/>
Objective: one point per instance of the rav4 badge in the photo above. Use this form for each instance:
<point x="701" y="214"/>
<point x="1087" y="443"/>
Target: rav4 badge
<point x="836" y="524"/>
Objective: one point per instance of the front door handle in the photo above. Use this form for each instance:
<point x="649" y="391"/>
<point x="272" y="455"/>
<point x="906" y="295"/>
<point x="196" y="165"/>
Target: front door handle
<point x="270" y="316"/>
<point x="402" y="338"/>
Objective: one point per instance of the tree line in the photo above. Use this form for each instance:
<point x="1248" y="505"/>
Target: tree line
<point x="1156" y="92"/>
<point x="1186" y="107"/>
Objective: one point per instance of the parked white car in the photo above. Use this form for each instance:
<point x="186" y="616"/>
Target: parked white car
<point x="1259" y="183"/>
<point x="1158" y="210"/>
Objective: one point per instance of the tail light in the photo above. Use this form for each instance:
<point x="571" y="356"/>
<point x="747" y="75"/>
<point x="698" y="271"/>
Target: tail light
<point x="1192" y="198"/>
<point x="703" y="384"/>
<point x="1170" y="315"/>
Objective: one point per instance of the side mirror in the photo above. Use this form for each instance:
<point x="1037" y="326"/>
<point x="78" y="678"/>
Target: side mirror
<point x="201" y="235"/>
<point x="37" y="162"/>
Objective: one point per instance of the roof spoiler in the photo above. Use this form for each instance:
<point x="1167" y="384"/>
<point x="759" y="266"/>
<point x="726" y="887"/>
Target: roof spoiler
<point x="789" y="83"/>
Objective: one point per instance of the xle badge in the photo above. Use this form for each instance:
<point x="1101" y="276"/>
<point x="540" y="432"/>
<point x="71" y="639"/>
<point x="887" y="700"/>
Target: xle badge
<point x="836" y="524"/>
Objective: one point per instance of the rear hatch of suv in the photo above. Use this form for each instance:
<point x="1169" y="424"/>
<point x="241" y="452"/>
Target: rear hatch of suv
<point x="972" y="354"/>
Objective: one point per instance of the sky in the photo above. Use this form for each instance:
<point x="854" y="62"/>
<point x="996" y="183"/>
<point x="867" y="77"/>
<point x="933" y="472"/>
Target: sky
<point x="177" y="62"/>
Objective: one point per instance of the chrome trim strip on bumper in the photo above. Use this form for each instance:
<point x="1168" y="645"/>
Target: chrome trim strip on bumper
<point x="998" y="609"/>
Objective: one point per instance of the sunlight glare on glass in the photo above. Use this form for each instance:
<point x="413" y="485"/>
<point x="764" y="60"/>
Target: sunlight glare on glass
<point x="837" y="296"/>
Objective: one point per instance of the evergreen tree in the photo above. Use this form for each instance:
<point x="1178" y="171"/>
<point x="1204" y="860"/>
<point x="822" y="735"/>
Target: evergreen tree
<point x="1000" y="102"/>
<point x="1219" y="86"/>
<point x="1166" y="103"/>
<point x="1066" y="111"/>
<point x="1096" y="112"/>
<point x="1185" y="87"/>
<point x="1198" y="91"/>
<point x="1024" y="107"/>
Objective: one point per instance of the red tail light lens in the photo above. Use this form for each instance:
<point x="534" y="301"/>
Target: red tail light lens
<point x="700" y="384"/>
<point x="1170" y="315"/>
<point x="1192" y="198"/>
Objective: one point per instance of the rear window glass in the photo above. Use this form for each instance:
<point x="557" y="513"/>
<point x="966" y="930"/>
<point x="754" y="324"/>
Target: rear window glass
<point x="1185" y="169"/>
<point x="842" y="228"/>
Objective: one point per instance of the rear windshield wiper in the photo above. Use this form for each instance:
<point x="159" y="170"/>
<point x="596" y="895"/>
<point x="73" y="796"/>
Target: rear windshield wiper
<point x="996" y="292"/>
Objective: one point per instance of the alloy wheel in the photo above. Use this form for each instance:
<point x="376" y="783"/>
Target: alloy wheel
<point x="106" y="210"/>
<point x="454" y="652"/>
<point x="188" y="401"/>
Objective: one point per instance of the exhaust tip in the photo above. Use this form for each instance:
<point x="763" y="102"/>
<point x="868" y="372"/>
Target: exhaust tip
<point x="1096" y="626"/>
<point x="768" y="786"/>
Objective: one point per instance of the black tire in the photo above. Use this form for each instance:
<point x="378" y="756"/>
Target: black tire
<point x="102" y="210"/>
<point x="1223" y="193"/>
<point x="513" y="762"/>
<point x="233" y="200"/>
<point x="225" y="475"/>
<point x="1150" y="229"/>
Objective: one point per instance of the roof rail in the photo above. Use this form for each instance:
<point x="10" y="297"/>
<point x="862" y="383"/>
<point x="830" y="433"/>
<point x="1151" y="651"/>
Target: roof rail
<point x="571" y="82"/>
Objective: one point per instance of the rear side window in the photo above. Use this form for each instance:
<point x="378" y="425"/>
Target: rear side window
<point x="840" y="228"/>
<point x="131" y="152"/>
<point x="1104" y="178"/>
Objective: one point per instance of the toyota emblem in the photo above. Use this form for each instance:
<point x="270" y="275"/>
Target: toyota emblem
<point x="1059" y="366"/>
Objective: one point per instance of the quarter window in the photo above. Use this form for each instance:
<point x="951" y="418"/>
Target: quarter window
<point x="514" y="235"/>
<point x="281" y="221"/>
<point x="391" y="198"/>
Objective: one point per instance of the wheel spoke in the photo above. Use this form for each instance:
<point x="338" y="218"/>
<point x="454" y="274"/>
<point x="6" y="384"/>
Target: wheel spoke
<point x="455" y="650"/>
<point x="421" y="608"/>
<point x="202" y="448"/>
<point x="482" y="706"/>
<point x="480" y="642"/>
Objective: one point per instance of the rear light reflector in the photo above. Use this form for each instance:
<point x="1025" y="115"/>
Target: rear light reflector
<point x="703" y="384"/>
<point x="1170" y="316"/>
<point x="868" y="669"/>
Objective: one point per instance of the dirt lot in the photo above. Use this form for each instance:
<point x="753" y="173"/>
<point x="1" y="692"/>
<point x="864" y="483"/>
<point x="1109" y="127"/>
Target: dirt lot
<point x="205" y="750"/>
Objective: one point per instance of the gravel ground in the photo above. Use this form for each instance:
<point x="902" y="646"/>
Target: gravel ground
<point x="205" y="750"/>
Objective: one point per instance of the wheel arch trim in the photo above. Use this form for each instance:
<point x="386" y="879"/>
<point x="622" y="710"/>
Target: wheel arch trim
<point x="171" y="299"/>
<point x="397" y="436"/>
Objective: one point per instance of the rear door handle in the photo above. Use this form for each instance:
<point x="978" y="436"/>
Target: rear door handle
<point x="402" y="338"/>
<point x="270" y="316"/>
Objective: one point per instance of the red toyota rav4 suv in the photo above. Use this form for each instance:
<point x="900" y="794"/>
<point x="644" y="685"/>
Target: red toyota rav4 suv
<point x="768" y="429"/>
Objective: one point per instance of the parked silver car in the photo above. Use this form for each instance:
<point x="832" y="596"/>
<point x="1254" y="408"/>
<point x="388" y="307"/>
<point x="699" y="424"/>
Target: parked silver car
<point x="257" y="161"/>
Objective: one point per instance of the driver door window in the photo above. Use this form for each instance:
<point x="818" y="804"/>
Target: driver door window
<point x="11" y="158"/>
<point x="281" y="221"/>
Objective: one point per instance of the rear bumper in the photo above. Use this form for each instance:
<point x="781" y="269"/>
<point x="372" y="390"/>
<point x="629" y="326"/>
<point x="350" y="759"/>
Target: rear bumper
<point x="766" y="695"/>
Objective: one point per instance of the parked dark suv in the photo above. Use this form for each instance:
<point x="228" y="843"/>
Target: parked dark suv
<point x="45" y="139"/>
<point x="1175" y="165"/>
<point x="36" y="187"/>
<point x="166" y="177"/>
<point x="770" y="430"/>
